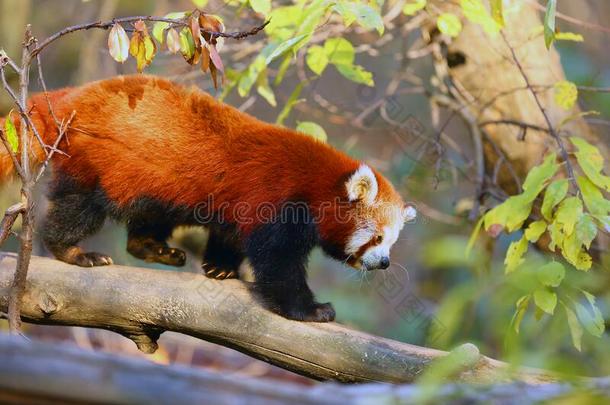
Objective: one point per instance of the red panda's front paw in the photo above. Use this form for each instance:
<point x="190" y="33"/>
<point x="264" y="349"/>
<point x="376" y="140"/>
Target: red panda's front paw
<point x="218" y="273"/>
<point x="321" y="313"/>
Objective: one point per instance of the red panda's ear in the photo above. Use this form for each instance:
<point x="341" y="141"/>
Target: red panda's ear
<point x="409" y="212"/>
<point x="362" y="185"/>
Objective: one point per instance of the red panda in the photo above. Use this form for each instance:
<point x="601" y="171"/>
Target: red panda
<point x="154" y="155"/>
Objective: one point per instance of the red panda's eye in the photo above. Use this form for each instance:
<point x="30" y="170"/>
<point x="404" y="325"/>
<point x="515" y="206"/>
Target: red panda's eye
<point x="379" y="239"/>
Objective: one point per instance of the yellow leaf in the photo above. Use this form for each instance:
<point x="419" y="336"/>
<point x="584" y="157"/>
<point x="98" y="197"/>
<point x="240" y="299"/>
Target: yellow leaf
<point x="514" y="254"/>
<point x="449" y="24"/>
<point x="413" y="6"/>
<point x="566" y="94"/>
<point x="569" y="36"/>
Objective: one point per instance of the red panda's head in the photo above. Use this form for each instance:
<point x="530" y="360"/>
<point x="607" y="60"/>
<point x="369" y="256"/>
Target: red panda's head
<point x="377" y="215"/>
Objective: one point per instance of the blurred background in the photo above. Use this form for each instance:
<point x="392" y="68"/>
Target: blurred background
<point x="432" y="295"/>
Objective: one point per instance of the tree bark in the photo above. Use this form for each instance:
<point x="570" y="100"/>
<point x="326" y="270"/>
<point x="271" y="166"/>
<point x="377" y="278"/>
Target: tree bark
<point x="142" y="303"/>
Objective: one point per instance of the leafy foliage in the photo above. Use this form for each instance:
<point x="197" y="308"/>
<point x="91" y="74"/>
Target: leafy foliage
<point x="571" y="222"/>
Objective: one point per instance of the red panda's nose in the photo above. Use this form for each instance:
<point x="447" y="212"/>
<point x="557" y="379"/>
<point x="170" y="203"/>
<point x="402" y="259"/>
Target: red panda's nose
<point x="384" y="263"/>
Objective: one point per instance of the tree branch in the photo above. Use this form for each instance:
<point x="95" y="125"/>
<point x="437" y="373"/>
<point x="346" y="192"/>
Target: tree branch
<point x="141" y="304"/>
<point x="85" y="376"/>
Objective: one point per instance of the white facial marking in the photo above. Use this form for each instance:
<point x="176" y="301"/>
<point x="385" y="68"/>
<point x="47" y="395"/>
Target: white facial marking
<point x="362" y="185"/>
<point x="390" y="233"/>
<point x="359" y="238"/>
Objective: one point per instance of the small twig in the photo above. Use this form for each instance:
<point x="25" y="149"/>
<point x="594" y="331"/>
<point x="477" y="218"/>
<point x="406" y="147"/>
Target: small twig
<point x="63" y="129"/>
<point x="46" y="92"/>
<point x="517" y="123"/>
<point x="551" y="129"/>
<point x="10" y="216"/>
<point x="22" y="111"/>
<point x="594" y="89"/>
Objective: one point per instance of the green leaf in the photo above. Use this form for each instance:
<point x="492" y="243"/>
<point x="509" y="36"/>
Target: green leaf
<point x="591" y="161"/>
<point x="549" y="23"/>
<point x="339" y="51"/>
<point x="449" y="24"/>
<point x="291" y="102"/>
<point x="539" y="175"/>
<point x="313" y="129"/>
<point x="572" y="250"/>
<point x="551" y="274"/>
<point x="159" y="27"/>
<point x="293" y="43"/>
<point x="200" y="3"/>
<point x="586" y="230"/>
<point x="557" y="236"/>
<point x="569" y="36"/>
<point x="575" y="329"/>
<point x="251" y="75"/>
<point x="521" y="304"/>
<point x="514" y="254"/>
<point x="316" y="59"/>
<point x="591" y="318"/>
<point x="497" y="12"/>
<point x="476" y="12"/>
<point x="261" y="6"/>
<point x="554" y="194"/>
<point x="368" y="17"/>
<point x="474" y="236"/>
<point x="357" y="73"/>
<point x="535" y="230"/>
<point x="546" y="300"/>
<point x="10" y="132"/>
<point x="569" y="213"/>
<point x="413" y="6"/>
<point x="566" y="94"/>
<point x="263" y="88"/>
<point x="187" y="44"/>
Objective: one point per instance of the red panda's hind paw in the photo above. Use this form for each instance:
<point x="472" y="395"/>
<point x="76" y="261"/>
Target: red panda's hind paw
<point x="91" y="259"/>
<point x="218" y="273"/>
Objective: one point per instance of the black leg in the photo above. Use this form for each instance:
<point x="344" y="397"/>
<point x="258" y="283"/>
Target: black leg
<point x="223" y="255"/>
<point x="148" y="242"/>
<point x="74" y="214"/>
<point x="278" y="252"/>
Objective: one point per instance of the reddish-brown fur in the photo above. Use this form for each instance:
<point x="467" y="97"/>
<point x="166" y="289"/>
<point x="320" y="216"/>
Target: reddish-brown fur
<point x="145" y="136"/>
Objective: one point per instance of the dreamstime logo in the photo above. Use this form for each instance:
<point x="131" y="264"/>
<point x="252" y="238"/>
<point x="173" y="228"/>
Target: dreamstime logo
<point x="338" y="211"/>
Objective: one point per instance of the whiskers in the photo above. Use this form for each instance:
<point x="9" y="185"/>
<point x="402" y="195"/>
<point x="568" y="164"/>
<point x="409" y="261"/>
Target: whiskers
<point x="403" y="268"/>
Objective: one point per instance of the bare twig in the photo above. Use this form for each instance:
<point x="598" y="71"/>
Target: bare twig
<point x="63" y="129"/>
<point x="10" y="216"/>
<point x="517" y="123"/>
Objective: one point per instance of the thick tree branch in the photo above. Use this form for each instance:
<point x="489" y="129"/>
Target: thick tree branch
<point x="141" y="304"/>
<point x="84" y="377"/>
